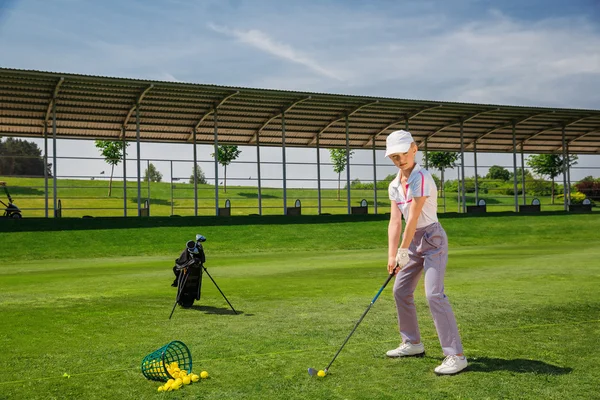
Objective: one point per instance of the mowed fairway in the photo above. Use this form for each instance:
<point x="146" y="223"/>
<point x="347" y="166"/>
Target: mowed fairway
<point x="93" y="303"/>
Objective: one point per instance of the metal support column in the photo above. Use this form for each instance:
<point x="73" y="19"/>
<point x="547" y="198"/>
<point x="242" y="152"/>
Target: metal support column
<point x="564" y="170"/>
<point x="319" y="175"/>
<point x="426" y="155"/>
<point x="124" y="173"/>
<point x="568" y="173"/>
<point x="283" y="163"/>
<point x="514" y="138"/>
<point x="258" y="171"/>
<point x="46" y="168"/>
<point x="148" y="179"/>
<point x="458" y="197"/>
<point x="216" y="140"/>
<point x="523" y="176"/>
<point x="348" y="163"/>
<point x="462" y="167"/>
<point x="54" y="194"/>
<point x="139" y="166"/>
<point x="476" y="178"/>
<point x="195" y="175"/>
<point x="374" y="178"/>
<point x="172" y="201"/>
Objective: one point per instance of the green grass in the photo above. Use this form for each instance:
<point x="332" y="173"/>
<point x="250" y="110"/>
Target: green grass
<point x="94" y="302"/>
<point x="86" y="197"/>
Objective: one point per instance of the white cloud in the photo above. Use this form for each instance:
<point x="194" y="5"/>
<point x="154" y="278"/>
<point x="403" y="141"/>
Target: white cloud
<point x="263" y="42"/>
<point x="397" y="49"/>
<point x="496" y="60"/>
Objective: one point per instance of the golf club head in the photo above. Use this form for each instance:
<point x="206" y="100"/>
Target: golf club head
<point x="200" y="238"/>
<point x="191" y="247"/>
<point x="312" y="372"/>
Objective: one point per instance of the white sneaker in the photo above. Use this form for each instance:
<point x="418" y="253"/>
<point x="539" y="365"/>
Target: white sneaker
<point x="452" y="365"/>
<point x="407" y="349"/>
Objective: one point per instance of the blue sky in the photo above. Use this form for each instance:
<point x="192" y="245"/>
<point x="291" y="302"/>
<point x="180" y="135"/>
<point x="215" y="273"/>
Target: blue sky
<point x="544" y="53"/>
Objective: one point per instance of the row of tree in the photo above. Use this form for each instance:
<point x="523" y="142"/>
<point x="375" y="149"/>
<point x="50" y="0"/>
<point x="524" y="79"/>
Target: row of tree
<point x="544" y="165"/>
<point x="24" y="158"/>
<point x="114" y="152"/>
<point x="498" y="178"/>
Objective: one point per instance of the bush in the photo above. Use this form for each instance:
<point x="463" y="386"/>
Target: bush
<point x="499" y="173"/>
<point x="576" y="197"/>
<point x="538" y="187"/>
<point x="453" y="185"/>
<point x="590" y="187"/>
<point x="201" y="178"/>
<point x="383" y="184"/>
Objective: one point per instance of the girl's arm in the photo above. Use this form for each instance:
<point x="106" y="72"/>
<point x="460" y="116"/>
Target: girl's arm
<point x="394" y="231"/>
<point x="411" y="225"/>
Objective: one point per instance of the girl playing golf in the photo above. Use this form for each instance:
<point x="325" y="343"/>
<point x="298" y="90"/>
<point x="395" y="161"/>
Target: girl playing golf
<point x="424" y="247"/>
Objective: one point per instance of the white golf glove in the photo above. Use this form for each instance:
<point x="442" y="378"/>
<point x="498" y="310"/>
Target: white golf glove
<point x="402" y="257"/>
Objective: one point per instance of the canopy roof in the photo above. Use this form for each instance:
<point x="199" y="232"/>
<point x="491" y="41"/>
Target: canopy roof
<point x="94" y="107"/>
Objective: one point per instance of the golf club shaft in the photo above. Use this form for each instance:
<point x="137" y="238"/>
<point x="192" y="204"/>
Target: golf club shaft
<point x="180" y="286"/>
<point x="361" y="318"/>
<point x="223" y="294"/>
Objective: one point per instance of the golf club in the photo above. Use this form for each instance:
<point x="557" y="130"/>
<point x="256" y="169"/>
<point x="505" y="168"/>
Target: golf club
<point x="182" y="279"/>
<point x="312" y="371"/>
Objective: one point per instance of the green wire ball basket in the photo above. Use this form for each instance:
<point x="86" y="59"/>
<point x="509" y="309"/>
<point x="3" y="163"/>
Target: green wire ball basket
<point x="155" y="364"/>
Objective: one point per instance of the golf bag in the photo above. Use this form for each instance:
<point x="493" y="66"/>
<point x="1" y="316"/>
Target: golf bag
<point x="188" y="271"/>
<point x="188" y="274"/>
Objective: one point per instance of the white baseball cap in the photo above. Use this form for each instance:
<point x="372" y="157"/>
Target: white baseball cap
<point x="398" y="142"/>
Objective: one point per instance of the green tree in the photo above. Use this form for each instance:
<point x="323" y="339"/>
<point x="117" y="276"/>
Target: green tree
<point x="590" y="187"/>
<point x="113" y="152"/>
<point x="441" y="161"/>
<point x="550" y="165"/>
<point x="528" y="175"/>
<point x="498" y="173"/>
<point x="226" y="154"/>
<point x="152" y="174"/>
<point x="199" y="176"/>
<point x="21" y="157"/>
<point x="338" y="158"/>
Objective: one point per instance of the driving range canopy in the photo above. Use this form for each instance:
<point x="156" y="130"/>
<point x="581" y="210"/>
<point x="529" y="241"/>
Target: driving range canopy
<point x="94" y="107"/>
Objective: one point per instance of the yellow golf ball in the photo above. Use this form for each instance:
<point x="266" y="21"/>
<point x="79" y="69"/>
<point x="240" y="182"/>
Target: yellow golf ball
<point x="321" y="373"/>
<point x="186" y="380"/>
<point x="160" y="389"/>
<point x="194" y="378"/>
<point x="203" y="374"/>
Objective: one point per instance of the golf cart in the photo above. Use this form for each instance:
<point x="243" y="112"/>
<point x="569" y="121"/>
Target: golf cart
<point x="12" y="211"/>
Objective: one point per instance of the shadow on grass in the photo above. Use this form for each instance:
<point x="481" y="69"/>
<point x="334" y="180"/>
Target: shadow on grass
<point x="16" y="191"/>
<point x="488" y="200"/>
<point x="255" y="195"/>
<point x="218" y="311"/>
<point x="488" y="364"/>
<point x="59" y="224"/>
<point x="155" y="202"/>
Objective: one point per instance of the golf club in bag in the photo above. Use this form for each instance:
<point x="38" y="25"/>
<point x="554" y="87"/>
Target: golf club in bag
<point x="188" y="270"/>
<point x="312" y="371"/>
